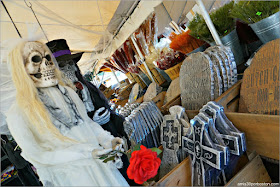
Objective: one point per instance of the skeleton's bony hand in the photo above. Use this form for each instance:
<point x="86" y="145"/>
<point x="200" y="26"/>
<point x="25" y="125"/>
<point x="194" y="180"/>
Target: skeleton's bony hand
<point x="96" y="153"/>
<point x="103" y="118"/>
<point x="117" y="144"/>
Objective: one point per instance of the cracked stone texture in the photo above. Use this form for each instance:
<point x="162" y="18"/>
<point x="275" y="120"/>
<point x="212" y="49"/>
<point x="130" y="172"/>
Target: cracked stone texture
<point x="196" y="81"/>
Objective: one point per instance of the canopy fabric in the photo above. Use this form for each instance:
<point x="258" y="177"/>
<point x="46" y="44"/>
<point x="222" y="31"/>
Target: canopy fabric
<point x="94" y="27"/>
<point x="81" y="23"/>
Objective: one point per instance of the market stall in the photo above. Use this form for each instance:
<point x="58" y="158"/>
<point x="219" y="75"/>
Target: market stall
<point x="199" y="107"/>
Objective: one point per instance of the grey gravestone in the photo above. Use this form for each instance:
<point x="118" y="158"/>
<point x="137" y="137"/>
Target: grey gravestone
<point x="218" y="61"/>
<point x="133" y="96"/>
<point x="231" y="136"/>
<point x="153" y="90"/>
<point x="205" y="155"/>
<point x="196" y="81"/>
<point x="215" y="136"/>
<point x="225" y="59"/>
<point x="232" y="62"/>
<point x="218" y="84"/>
<point x="173" y="90"/>
<point x="171" y="141"/>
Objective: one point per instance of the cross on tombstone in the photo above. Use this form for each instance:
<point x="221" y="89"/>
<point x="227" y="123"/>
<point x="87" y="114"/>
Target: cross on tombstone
<point x="171" y="141"/>
<point x="170" y="134"/>
<point x="203" y="152"/>
<point x="234" y="139"/>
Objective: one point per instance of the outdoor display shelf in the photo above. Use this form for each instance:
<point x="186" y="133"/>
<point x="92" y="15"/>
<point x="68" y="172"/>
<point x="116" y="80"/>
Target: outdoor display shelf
<point x="159" y="99"/>
<point x="262" y="138"/>
<point x="246" y="170"/>
<point x="261" y="131"/>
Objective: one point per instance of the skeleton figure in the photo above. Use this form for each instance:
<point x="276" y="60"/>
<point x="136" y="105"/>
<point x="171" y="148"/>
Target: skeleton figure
<point x="63" y="156"/>
<point x="68" y="68"/>
<point x="96" y="103"/>
<point x="38" y="64"/>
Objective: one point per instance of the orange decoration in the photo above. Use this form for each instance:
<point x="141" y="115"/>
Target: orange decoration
<point x="184" y="42"/>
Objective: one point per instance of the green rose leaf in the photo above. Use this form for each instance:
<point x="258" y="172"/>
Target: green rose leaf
<point x="109" y="159"/>
<point x="157" y="150"/>
<point x="136" y="147"/>
<point x="103" y="157"/>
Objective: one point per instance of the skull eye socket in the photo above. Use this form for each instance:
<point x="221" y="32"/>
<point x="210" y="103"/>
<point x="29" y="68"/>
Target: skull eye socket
<point x="48" y="57"/>
<point x="61" y="64"/>
<point x="36" y="59"/>
<point x="71" y="62"/>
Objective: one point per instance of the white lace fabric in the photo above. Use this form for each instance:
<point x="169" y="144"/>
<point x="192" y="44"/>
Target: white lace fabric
<point x="66" y="164"/>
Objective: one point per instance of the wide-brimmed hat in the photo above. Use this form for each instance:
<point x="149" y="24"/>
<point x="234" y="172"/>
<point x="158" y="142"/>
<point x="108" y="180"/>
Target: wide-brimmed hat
<point x="61" y="51"/>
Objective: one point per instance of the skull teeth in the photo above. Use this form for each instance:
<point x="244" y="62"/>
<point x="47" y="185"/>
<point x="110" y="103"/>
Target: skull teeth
<point x="48" y="74"/>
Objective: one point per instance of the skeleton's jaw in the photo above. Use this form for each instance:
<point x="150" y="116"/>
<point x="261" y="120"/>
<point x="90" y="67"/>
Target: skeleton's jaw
<point x="45" y="79"/>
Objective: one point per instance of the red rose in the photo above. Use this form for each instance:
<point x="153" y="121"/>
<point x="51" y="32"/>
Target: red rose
<point x="144" y="165"/>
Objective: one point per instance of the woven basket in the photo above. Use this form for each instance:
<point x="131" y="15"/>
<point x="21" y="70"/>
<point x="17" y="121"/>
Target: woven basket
<point x="174" y="72"/>
<point x="156" y="75"/>
<point x="133" y="77"/>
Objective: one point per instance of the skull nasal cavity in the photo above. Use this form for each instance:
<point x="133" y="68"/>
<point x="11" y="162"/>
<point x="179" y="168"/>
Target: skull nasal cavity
<point x="47" y="63"/>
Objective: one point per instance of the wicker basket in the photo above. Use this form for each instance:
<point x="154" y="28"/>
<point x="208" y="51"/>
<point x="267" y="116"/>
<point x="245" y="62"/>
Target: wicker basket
<point x="174" y="72"/>
<point x="156" y="75"/>
<point x="133" y="77"/>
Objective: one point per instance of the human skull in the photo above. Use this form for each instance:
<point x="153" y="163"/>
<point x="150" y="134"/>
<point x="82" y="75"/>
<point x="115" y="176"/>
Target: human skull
<point x="68" y="68"/>
<point x="39" y="65"/>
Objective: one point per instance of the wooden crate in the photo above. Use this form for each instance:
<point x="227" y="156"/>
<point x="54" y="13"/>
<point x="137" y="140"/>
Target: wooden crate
<point x="229" y="99"/>
<point x="253" y="172"/>
<point x="122" y="102"/>
<point x="262" y="137"/>
<point x="109" y="92"/>
<point x="156" y="75"/>
<point x="261" y="131"/>
<point x="179" y="176"/>
<point x="133" y="77"/>
<point x="174" y="71"/>
<point x="245" y="171"/>
<point x="175" y="101"/>
<point x="139" y="100"/>
<point x="159" y="99"/>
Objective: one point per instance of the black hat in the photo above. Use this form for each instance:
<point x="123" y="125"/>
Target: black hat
<point x="61" y="51"/>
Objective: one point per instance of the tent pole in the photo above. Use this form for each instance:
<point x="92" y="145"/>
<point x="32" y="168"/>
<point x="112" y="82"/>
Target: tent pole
<point x="209" y="22"/>
<point x="142" y="58"/>
<point x="114" y="73"/>
<point x="11" y="18"/>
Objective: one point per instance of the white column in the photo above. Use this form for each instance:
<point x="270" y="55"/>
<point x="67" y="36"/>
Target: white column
<point x="209" y="22"/>
<point x="113" y="71"/>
